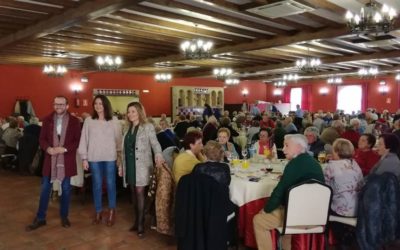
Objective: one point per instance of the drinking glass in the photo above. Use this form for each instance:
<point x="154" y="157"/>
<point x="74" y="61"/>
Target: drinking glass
<point x="322" y="157"/>
<point x="244" y="153"/>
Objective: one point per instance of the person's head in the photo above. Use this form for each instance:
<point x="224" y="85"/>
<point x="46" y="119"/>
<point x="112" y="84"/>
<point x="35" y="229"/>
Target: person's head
<point x="101" y="105"/>
<point x="163" y="116"/>
<point x="225" y="121"/>
<point x="342" y="149"/>
<point x="135" y="113"/>
<point x="212" y="120"/>
<point x="223" y="135"/>
<point x="163" y="124"/>
<point x="297" y="106"/>
<point x="293" y="145"/>
<point x="13" y="123"/>
<point x="312" y="134"/>
<point x="264" y="135"/>
<point x="182" y="117"/>
<point x="355" y="123"/>
<point x="338" y="125"/>
<point x="226" y="113"/>
<point x="388" y="143"/>
<point x="193" y="141"/>
<point x="34" y="120"/>
<point x="265" y="117"/>
<point x="60" y="105"/>
<point x="214" y="151"/>
<point x="366" y="142"/>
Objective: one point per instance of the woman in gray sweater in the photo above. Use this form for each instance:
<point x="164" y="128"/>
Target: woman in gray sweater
<point x="99" y="147"/>
<point x="138" y="144"/>
<point x="388" y="149"/>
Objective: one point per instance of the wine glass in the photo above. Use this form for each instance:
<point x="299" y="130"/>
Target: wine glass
<point x="244" y="152"/>
<point x="228" y="156"/>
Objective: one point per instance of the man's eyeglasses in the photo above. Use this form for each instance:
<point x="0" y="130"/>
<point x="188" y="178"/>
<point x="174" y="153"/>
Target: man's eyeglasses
<point x="59" y="104"/>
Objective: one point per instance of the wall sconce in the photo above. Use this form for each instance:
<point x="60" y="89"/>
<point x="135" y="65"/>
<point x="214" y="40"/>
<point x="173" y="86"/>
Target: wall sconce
<point x="277" y="92"/>
<point x="383" y="88"/>
<point x="245" y="92"/>
<point x="397" y="77"/>
<point x="84" y="79"/>
<point x="76" y="88"/>
<point x="323" y="91"/>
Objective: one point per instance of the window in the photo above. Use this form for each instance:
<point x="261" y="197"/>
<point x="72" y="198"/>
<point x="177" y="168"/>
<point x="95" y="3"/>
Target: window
<point x="349" y="98"/>
<point x="295" y="98"/>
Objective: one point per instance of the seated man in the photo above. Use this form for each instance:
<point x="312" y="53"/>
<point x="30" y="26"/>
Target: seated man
<point x="301" y="167"/>
<point x="185" y="161"/>
<point x="314" y="143"/>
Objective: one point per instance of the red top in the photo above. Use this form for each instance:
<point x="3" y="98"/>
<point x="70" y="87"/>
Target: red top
<point x="268" y="124"/>
<point x="366" y="160"/>
<point x="352" y="136"/>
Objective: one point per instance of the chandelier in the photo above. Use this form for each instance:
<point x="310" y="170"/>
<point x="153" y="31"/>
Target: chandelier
<point x="280" y="84"/>
<point x="308" y="64"/>
<point x="108" y="63"/>
<point x="372" y="19"/>
<point x="222" y="73"/>
<point x="232" y="81"/>
<point x="366" y="72"/>
<point x="54" y="70"/>
<point x="163" y="77"/>
<point x="197" y="49"/>
<point x="334" y="80"/>
<point x="290" y="77"/>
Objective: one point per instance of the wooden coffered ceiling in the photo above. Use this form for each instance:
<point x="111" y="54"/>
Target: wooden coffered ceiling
<point x="147" y="34"/>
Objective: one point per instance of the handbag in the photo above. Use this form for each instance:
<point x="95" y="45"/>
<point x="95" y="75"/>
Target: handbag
<point x="152" y="184"/>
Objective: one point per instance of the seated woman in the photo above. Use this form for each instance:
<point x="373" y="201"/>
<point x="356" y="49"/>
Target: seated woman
<point x="364" y="155"/>
<point x="265" y="146"/>
<point x="345" y="178"/>
<point x="388" y="149"/>
<point x="228" y="147"/>
<point x="214" y="166"/>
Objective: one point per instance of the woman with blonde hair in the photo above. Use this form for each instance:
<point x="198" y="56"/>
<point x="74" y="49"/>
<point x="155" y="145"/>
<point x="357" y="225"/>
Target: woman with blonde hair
<point x="228" y="147"/>
<point x="137" y="147"/>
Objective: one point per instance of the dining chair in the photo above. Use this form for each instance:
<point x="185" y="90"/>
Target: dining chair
<point x="307" y="210"/>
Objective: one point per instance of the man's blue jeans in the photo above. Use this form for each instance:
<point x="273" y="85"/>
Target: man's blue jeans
<point x="100" y="170"/>
<point x="45" y="196"/>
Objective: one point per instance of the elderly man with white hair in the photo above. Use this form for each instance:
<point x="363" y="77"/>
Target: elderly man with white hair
<point x="315" y="145"/>
<point x="352" y="132"/>
<point x="301" y="167"/>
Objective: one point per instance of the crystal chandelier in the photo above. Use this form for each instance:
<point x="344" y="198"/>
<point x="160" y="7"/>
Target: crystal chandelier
<point x="290" y="77"/>
<point x="197" y="49"/>
<point x="334" y="80"/>
<point x="222" y="73"/>
<point x="232" y="81"/>
<point x="54" y="70"/>
<point x="163" y="77"/>
<point x="280" y="84"/>
<point x="372" y="19"/>
<point x="371" y="71"/>
<point x="108" y="63"/>
<point x="308" y="64"/>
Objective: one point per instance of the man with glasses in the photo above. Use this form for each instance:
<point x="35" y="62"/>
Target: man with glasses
<point x="59" y="138"/>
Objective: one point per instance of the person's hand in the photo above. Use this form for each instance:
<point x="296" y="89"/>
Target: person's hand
<point x="120" y="171"/>
<point x="85" y="165"/>
<point x="59" y="150"/>
<point x="159" y="159"/>
<point x="51" y="151"/>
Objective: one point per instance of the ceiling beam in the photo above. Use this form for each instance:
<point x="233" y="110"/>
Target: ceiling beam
<point x="85" y="12"/>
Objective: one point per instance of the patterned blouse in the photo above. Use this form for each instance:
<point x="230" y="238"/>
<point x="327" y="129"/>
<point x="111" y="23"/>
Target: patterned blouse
<point x="346" y="180"/>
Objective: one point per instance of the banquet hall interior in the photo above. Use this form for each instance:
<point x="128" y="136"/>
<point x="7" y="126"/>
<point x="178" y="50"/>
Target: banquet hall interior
<point x="246" y="59"/>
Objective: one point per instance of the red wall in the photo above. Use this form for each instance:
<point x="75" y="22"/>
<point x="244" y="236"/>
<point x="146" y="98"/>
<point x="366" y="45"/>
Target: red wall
<point x="376" y="100"/>
<point x="28" y="82"/>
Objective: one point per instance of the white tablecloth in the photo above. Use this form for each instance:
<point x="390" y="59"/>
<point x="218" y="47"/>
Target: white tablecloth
<point x="243" y="191"/>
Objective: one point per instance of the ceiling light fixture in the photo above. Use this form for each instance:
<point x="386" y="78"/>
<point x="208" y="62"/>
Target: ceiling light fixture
<point x="54" y="70"/>
<point x="334" y="80"/>
<point x="367" y="72"/>
<point x="222" y="73"/>
<point x="371" y="19"/>
<point x="197" y="49"/>
<point x="163" y="77"/>
<point x="232" y="81"/>
<point x="108" y="63"/>
<point x="308" y="64"/>
<point x="290" y="77"/>
<point x="280" y="84"/>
